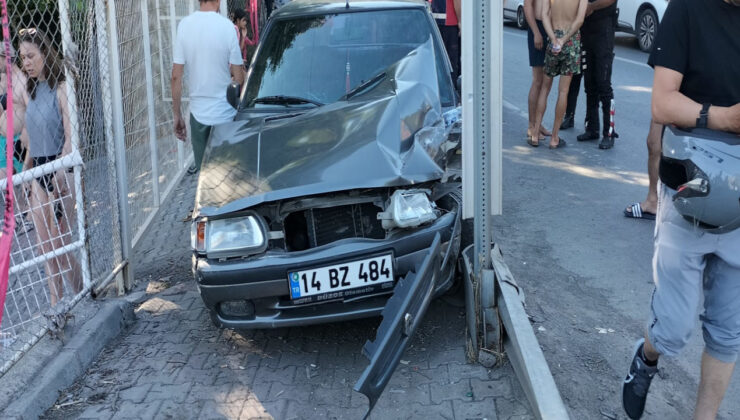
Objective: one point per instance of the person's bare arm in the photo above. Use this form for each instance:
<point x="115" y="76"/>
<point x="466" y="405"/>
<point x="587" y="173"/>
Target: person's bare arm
<point x="64" y="110"/>
<point x="670" y="106"/>
<point x="530" y="14"/>
<point x="25" y="141"/>
<point x="176" y="83"/>
<point x="576" y="24"/>
<point x="237" y="73"/>
<point x="458" y="12"/>
<point x="547" y="20"/>
<point x="597" y="5"/>
<point x="20" y="101"/>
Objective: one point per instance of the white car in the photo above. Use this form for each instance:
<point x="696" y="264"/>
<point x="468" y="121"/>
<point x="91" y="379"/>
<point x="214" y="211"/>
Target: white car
<point x="641" y="18"/>
<point x="638" y="17"/>
<point x="514" y="10"/>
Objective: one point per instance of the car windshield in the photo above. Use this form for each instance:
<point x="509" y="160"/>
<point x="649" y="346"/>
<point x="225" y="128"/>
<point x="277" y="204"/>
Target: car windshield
<point x="319" y="59"/>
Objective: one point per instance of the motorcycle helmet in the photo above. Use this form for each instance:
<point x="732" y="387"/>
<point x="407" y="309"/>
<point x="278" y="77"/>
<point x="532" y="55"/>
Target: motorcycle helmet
<point x="703" y="167"/>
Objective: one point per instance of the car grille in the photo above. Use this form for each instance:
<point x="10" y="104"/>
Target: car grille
<point x="326" y="225"/>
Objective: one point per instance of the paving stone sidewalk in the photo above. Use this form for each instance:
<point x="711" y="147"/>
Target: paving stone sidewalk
<point x="173" y="363"/>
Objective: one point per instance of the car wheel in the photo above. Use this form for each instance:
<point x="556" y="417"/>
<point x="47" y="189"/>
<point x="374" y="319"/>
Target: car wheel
<point x="214" y="319"/>
<point x="521" y="20"/>
<point x="467" y="237"/>
<point x="647" y="27"/>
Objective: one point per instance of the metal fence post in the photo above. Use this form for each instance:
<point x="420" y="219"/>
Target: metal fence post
<point x="70" y="51"/>
<point x="482" y="135"/>
<point x="173" y="37"/>
<point x="153" y="151"/>
<point x="119" y="138"/>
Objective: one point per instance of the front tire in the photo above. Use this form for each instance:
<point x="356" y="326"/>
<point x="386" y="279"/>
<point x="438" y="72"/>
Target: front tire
<point x="647" y="27"/>
<point x="521" y="20"/>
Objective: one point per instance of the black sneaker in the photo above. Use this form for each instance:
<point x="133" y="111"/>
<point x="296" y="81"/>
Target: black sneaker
<point x="636" y="384"/>
<point x="192" y="170"/>
<point x="587" y="136"/>
<point x="568" y="122"/>
<point x="607" y="142"/>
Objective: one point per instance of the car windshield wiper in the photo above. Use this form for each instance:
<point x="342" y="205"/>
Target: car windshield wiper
<point x="364" y="85"/>
<point x="285" y="100"/>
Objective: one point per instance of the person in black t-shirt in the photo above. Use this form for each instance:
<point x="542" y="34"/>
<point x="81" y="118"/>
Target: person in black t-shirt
<point x="696" y="84"/>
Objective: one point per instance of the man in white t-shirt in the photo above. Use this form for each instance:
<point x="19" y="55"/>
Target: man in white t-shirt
<point x="207" y="45"/>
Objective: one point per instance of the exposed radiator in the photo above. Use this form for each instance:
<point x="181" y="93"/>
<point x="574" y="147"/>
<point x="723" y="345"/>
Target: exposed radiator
<point x="326" y="225"/>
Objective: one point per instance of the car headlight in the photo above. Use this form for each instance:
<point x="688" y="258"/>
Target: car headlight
<point x="408" y="209"/>
<point x="234" y="236"/>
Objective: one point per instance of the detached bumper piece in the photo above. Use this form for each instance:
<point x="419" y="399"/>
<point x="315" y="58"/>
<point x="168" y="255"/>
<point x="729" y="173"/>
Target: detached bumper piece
<point x="401" y="317"/>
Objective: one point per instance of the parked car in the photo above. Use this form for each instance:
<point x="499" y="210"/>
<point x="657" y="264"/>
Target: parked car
<point x="641" y="18"/>
<point x="514" y="11"/>
<point x="335" y="193"/>
<point x="638" y="17"/>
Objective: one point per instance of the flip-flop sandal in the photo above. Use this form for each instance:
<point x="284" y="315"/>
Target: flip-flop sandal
<point x="532" y="143"/>
<point x="634" y="211"/>
<point x="560" y="145"/>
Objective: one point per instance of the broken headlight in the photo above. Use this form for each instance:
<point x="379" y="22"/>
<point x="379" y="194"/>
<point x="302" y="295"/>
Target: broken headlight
<point x="408" y="208"/>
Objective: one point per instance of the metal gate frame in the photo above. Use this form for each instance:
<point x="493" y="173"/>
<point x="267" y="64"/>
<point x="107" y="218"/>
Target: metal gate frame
<point x="495" y="313"/>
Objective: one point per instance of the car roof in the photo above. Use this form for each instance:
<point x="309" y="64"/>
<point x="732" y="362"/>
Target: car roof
<point x="311" y="7"/>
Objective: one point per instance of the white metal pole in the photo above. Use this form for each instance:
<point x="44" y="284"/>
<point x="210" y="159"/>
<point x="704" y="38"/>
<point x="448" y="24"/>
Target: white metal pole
<point x="120" y="148"/>
<point x="153" y="150"/>
<point x="469" y="118"/>
<point x="173" y="36"/>
<point x="493" y="92"/>
<point x="495" y="107"/>
<point x="105" y="90"/>
<point x="223" y="8"/>
<point x="70" y="50"/>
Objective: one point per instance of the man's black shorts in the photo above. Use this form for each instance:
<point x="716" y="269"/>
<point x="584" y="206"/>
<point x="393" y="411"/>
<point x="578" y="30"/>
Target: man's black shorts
<point x="536" y="57"/>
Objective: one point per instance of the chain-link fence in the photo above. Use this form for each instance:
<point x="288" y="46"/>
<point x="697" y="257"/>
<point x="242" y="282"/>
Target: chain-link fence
<point x="96" y="154"/>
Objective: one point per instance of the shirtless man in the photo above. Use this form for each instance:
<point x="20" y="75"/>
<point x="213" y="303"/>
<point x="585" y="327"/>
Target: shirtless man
<point x="536" y="41"/>
<point x="562" y="19"/>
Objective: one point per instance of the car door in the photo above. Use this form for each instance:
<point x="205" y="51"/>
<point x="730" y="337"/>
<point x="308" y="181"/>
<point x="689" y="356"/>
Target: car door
<point x="627" y="13"/>
<point x="510" y="7"/>
<point x="401" y="317"/>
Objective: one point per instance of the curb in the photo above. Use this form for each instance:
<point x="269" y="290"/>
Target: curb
<point x="522" y="347"/>
<point x="72" y="361"/>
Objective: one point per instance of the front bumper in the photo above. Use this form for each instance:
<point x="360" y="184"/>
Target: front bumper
<point x="262" y="281"/>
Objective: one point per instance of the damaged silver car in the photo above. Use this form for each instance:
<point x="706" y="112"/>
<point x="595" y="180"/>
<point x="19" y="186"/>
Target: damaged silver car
<point x="335" y="194"/>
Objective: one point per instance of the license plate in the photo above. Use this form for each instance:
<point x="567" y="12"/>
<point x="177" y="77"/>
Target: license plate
<point x="342" y="280"/>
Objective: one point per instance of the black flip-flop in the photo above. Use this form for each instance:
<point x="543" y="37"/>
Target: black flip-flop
<point x="560" y="145"/>
<point x="531" y="143"/>
<point x="635" y="211"/>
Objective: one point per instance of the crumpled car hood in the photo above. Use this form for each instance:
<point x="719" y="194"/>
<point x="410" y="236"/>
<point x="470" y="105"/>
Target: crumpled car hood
<point x="390" y="135"/>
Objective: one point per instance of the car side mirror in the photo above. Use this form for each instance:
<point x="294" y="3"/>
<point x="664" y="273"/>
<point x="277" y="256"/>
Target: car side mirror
<point x="232" y="94"/>
<point x="459" y="83"/>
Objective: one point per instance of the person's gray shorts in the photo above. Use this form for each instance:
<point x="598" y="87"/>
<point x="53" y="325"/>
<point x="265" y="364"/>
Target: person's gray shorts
<point x="687" y="263"/>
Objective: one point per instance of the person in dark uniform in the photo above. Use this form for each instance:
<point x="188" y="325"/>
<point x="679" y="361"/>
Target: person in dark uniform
<point x="447" y="20"/>
<point x="597" y="35"/>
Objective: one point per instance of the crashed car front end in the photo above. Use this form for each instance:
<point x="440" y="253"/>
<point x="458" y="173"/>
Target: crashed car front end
<point x="336" y="233"/>
<point x="314" y="215"/>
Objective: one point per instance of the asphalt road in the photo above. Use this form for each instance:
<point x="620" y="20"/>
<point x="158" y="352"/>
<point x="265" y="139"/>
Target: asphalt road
<point x="585" y="268"/>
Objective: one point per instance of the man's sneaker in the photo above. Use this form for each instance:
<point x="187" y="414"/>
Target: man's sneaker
<point x="607" y="142"/>
<point x="636" y="384"/>
<point x="568" y="122"/>
<point x="588" y="135"/>
<point x="192" y="170"/>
